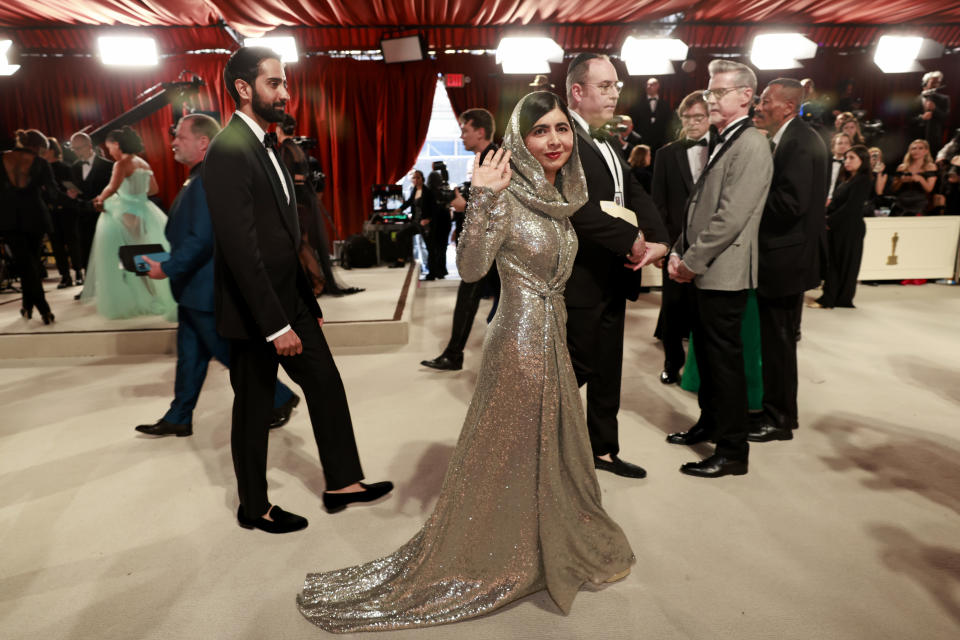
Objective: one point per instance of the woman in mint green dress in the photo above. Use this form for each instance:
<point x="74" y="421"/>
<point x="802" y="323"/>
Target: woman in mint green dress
<point x="128" y="217"/>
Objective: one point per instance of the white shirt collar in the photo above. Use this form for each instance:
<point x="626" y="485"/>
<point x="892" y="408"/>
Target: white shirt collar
<point x="779" y="134"/>
<point x="580" y="120"/>
<point x="705" y="136"/>
<point x="729" y="126"/>
<point x="250" y="122"/>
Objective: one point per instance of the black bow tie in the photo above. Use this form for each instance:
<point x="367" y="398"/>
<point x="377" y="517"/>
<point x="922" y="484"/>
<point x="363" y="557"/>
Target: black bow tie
<point x="270" y="141"/>
<point x="600" y="135"/>
<point x="838" y="160"/>
<point x="702" y="142"/>
<point x="87" y="162"/>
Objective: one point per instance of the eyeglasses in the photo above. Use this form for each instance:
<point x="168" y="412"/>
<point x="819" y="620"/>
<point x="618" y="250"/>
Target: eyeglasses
<point x="695" y="119"/>
<point x="606" y="87"/>
<point x="719" y="92"/>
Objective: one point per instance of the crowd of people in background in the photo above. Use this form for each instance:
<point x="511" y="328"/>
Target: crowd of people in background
<point x="58" y="193"/>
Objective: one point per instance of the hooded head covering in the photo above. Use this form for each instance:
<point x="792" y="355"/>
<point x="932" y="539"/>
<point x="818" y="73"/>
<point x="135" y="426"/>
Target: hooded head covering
<point x="529" y="185"/>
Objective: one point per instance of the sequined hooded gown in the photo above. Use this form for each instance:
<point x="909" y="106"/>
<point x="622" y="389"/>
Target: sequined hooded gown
<point x="520" y="508"/>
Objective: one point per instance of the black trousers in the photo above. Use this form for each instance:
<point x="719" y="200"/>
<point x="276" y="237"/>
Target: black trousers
<point x="25" y="246"/>
<point x="87" y="226"/>
<point x="65" y="242"/>
<point x="723" y="382"/>
<point x="438" y="237"/>
<point x="469" y="295"/>
<point x="846" y="251"/>
<point x="779" y="323"/>
<point x="595" y="341"/>
<point x="253" y="375"/>
<point x="677" y="308"/>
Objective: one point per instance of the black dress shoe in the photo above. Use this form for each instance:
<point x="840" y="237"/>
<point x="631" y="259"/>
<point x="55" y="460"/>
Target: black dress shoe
<point x="444" y="363"/>
<point x="164" y="428"/>
<point x="715" y="467"/>
<point x="695" y="435"/>
<point x="65" y="283"/>
<point x="281" y="415"/>
<point x="620" y="467"/>
<point x="669" y="377"/>
<point x="334" y="502"/>
<point x="283" y="521"/>
<point x="768" y="432"/>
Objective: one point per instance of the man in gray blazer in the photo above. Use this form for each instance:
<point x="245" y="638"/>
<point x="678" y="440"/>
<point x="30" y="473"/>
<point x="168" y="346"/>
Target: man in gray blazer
<point x="717" y="251"/>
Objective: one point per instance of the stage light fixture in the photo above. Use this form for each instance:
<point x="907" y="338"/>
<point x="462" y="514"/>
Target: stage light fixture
<point x="128" y="51"/>
<point x="6" y="69"/>
<point x="286" y="46"/>
<point x="899" y="54"/>
<point x="528" y="55"/>
<point x="781" y="50"/>
<point x="652" y="56"/>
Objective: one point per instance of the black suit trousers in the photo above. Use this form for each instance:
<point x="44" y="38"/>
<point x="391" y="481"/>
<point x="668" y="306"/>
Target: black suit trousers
<point x="25" y="246"/>
<point x="65" y="241"/>
<point x="677" y="308"/>
<point x="723" y="382"/>
<point x="595" y="341"/>
<point x="779" y="323"/>
<point x="253" y="375"/>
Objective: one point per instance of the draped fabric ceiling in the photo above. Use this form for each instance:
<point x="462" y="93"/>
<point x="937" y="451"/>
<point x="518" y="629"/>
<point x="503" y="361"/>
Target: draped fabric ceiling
<point x="370" y="118"/>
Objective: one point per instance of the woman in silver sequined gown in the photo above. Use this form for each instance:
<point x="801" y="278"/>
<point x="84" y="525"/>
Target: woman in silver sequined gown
<point x="520" y="508"/>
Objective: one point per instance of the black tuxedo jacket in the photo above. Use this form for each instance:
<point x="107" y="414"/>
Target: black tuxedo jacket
<point x="258" y="281"/>
<point x="655" y="133"/>
<point x="793" y="216"/>
<point x="598" y="271"/>
<point x="97" y="180"/>
<point x="671" y="186"/>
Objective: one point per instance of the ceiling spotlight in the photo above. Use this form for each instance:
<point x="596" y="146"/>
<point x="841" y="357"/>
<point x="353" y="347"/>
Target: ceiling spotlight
<point x="528" y="54"/>
<point x="781" y="50"/>
<point x="286" y="46"/>
<point x="128" y="51"/>
<point x="6" y="69"/>
<point x="899" y="54"/>
<point x="652" y="56"/>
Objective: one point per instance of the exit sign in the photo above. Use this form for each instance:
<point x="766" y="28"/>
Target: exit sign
<point x="453" y="79"/>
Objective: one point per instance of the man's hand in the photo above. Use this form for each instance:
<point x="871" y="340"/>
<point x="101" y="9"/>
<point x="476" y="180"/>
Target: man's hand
<point x="678" y="271"/>
<point x="156" y="270"/>
<point x="637" y="250"/>
<point x="288" y="344"/>
<point x="72" y="194"/>
<point x="653" y="252"/>
<point x="320" y="322"/>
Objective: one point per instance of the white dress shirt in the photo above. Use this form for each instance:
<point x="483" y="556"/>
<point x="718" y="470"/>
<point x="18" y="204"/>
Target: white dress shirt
<point x="726" y="128"/>
<point x="86" y="166"/>
<point x="609" y="155"/>
<point x="697" y="157"/>
<point x="259" y="133"/>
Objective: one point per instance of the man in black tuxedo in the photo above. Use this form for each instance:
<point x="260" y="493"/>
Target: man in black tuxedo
<point x="652" y="117"/>
<point x="675" y="171"/>
<point x="476" y="132"/>
<point x="91" y="174"/>
<point x="626" y="137"/>
<point x="263" y="301"/>
<point x="789" y="240"/>
<point x="599" y="285"/>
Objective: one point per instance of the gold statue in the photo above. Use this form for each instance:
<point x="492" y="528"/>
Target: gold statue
<point x="892" y="258"/>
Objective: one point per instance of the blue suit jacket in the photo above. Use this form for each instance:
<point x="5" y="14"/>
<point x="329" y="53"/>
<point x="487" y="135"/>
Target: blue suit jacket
<point x="190" y="233"/>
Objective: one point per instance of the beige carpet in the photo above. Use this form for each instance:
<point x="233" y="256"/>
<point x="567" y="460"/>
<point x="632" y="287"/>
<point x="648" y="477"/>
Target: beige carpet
<point x="850" y="531"/>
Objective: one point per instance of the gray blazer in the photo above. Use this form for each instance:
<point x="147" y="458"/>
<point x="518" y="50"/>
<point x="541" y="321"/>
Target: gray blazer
<point x="723" y="216"/>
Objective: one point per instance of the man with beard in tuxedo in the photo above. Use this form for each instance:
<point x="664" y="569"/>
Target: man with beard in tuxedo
<point x="264" y="303"/>
<point x="789" y="240"/>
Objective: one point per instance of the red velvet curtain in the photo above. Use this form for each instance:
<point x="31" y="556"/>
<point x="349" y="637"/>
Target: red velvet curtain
<point x="370" y="120"/>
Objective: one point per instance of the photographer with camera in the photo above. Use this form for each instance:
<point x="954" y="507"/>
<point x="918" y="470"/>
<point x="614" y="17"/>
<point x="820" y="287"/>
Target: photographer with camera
<point x="931" y="110"/>
<point x="438" y="235"/>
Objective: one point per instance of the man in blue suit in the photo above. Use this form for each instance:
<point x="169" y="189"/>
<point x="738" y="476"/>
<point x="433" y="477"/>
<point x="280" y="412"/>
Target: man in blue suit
<point x="190" y="269"/>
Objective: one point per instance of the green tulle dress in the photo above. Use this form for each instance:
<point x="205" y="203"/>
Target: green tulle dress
<point x="128" y="218"/>
<point x="750" y="334"/>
